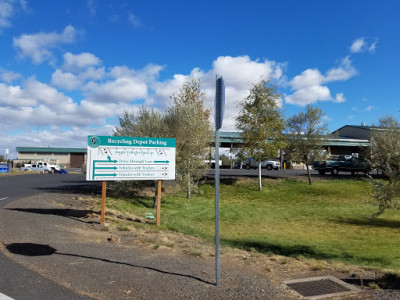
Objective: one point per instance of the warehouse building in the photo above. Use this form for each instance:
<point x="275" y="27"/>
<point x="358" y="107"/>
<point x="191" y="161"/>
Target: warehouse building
<point x="64" y="157"/>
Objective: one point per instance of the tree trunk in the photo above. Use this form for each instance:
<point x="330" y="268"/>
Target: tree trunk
<point x="188" y="187"/>
<point x="259" y="175"/>
<point x="309" y="174"/>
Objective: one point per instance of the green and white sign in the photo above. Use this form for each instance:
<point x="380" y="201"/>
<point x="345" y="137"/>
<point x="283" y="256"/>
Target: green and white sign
<point x="130" y="158"/>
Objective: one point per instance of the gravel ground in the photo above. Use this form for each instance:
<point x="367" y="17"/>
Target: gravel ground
<point x="58" y="236"/>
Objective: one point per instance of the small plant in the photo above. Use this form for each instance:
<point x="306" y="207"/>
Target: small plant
<point x="156" y="246"/>
<point x="194" y="252"/>
<point x="123" y="227"/>
<point x="374" y="286"/>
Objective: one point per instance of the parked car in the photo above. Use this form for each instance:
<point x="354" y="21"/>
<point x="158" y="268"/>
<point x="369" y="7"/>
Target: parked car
<point x="44" y="167"/>
<point x="35" y="168"/>
<point x="342" y="163"/>
<point x="268" y="164"/>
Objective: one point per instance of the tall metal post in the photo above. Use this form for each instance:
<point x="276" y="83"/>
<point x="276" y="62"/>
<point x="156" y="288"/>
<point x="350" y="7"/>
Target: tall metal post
<point x="219" y="116"/>
<point x="217" y="262"/>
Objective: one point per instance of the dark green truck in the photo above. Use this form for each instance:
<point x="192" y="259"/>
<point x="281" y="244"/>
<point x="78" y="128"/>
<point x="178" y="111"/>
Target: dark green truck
<point x="342" y="163"/>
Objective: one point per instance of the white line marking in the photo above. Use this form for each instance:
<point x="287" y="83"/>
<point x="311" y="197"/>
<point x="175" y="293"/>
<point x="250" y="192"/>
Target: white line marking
<point x="4" y="297"/>
<point x="0" y="200"/>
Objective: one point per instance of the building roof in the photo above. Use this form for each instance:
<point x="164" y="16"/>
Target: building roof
<point x="226" y="138"/>
<point x="50" y="149"/>
<point x="347" y="142"/>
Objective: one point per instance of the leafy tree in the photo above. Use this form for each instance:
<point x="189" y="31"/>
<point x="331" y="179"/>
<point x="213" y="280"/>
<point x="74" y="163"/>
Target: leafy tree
<point x="2" y="158"/>
<point x="189" y="123"/>
<point x="186" y="120"/>
<point x="261" y="122"/>
<point x="385" y="156"/>
<point x="145" y="123"/>
<point x="226" y="161"/>
<point x="306" y="131"/>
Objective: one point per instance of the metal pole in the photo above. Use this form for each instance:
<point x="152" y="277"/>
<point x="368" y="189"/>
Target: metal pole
<point x="217" y="262"/>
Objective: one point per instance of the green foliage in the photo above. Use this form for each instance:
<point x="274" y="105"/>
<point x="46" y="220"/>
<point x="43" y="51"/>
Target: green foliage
<point x="324" y="221"/>
<point x="189" y="123"/>
<point x="145" y="123"/>
<point x="261" y="123"/>
<point x="186" y="120"/>
<point x="306" y="135"/>
<point x="385" y="156"/>
<point x="226" y="161"/>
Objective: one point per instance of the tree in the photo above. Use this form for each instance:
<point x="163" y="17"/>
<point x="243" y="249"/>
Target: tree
<point x="261" y="122"/>
<point x="145" y="123"/>
<point x="189" y="123"/>
<point x="306" y="134"/>
<point x="385" y="156"/>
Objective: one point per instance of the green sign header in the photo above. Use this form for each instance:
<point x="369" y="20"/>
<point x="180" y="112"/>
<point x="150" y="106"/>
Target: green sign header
<point x="95" y="141"/>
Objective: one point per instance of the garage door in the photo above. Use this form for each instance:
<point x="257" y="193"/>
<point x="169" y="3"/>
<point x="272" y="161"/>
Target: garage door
<point x="77" y="160"/>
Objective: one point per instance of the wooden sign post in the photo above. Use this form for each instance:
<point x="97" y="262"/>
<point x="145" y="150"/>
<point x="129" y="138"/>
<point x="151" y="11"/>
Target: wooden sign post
<point x="103" y="202"/>
<point x="158" y="214"/>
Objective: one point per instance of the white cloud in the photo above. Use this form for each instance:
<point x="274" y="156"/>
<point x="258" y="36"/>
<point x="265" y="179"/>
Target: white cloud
<point x="368" y="108"/>
<point x="241" y="71"/>
<point x="344" y="71"/>
<point x="339" y="98"/>
<point x="65" y="80"/>
<point x="309" y="95"/>
<point x="123" y="89"/>
<point x="70" y="81"/>
<point x="239" y="74"/>
<point x="7" y="11"/>
<point x="75" y="63"/>
<point x="35" y="105"/>
<point x="309" y="78"/>
<point x="363" y="44"/>
<point x="8" y="76"/>
<point x="13" y="96"/>
<point x="92" y="7"/>
<point x="357" y="45"/>
<point x="309" y="85"/>
<point x="37" y="46"/>
<point x="372" y="47"/>
<point x="134" y="20"/>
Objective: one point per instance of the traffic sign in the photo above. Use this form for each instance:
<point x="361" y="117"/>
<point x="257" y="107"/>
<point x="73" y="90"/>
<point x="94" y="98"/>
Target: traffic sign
<point x="112" y="158"/>
<point x="219" y="102"/>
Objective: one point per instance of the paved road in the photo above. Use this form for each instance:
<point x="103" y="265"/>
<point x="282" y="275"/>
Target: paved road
<point x="16" y="281"/>
<point x="44" y="233"/>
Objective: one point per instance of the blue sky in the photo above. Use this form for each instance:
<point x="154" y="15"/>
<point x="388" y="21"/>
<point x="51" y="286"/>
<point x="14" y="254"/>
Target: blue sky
<point x="69" y="68"/>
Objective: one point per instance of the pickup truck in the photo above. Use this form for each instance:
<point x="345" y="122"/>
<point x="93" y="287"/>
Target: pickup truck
<point x="41" y="167"/>
<point x="268" y="164"/>
<point x="49" y="166"/>
<point x="342" y="163"/>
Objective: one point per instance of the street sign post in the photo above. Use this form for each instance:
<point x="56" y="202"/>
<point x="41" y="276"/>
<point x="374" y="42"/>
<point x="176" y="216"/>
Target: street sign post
<point x="111" y="158"/>
<point x="219" y="116"/>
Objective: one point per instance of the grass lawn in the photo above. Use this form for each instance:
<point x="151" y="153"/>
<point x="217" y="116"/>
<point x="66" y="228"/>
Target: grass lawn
<point x="288" y="217"/>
